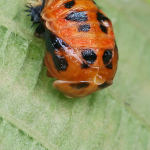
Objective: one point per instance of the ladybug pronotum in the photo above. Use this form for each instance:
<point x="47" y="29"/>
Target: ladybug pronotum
<point x="81" y="50"/>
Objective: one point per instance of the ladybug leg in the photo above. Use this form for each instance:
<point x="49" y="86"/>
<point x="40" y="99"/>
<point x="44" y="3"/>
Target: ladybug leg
<point x="74" y="89"/>
<point x="35" y="13"/>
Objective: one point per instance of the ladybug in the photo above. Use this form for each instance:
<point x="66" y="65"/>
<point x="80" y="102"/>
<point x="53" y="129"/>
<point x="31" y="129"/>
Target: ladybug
<point x="81" y="50"/>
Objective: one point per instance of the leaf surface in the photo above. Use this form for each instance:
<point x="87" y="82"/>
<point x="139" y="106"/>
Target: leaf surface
<point x="34" y="115"/>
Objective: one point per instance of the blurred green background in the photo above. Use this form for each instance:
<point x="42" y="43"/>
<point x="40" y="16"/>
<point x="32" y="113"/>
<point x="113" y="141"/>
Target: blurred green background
<point x="34" y="115"/>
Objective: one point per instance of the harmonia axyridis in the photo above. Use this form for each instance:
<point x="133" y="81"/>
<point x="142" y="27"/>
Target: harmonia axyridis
<point x="81" y="49"/>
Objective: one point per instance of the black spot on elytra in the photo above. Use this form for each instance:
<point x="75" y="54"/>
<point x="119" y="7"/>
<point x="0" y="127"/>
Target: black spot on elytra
<point x="104" y="85"/>
<point x="89" y="56"/>
<point x="77" y="16"/>
<point x="103" y="28"/>
<point x="84" y="65"/>
<point x="107" y="56"/>
<point x="109" y="66"/>
<point x="84" y="28"/>
<point x="79" y="85"/>
<point x="101" y="17"/>
<point x="61" y="63"/>
<point x="57" y="42"/>
<point x="69" y="4"/>
<point x="53" y="43"/>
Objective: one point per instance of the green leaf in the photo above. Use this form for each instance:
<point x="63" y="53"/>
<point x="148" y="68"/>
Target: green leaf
<point x="34" y="115"/>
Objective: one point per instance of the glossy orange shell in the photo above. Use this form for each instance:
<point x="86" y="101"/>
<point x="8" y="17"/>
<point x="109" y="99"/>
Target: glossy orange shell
<point x="76" y="81"/>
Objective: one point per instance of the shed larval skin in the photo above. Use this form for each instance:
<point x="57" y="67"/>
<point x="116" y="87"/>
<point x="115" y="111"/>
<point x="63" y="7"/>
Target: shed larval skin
<point x="81" y="49"/>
